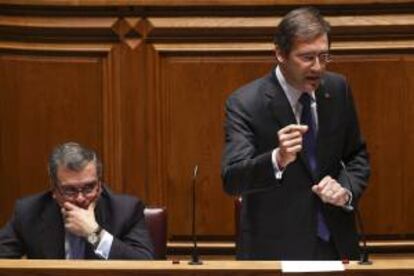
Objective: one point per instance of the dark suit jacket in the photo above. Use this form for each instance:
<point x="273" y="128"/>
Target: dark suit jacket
<point x="36" y="228"/>
<point x="278" y="217"/>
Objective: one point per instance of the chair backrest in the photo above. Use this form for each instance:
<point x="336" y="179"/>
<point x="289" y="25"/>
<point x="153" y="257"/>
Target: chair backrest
<point x="156" y="221"/>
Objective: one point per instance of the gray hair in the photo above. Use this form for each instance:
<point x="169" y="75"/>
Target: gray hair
<point x="303" y="23"/>
<point x="74" y="157"/>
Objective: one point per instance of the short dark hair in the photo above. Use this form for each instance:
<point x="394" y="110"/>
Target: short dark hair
<point x="74" y="157"/>
<point x="303" y="23"/>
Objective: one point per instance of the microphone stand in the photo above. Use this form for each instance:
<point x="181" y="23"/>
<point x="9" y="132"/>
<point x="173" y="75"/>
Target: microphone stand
<point x="364" y="257"/>
<point x="195" y="258"/>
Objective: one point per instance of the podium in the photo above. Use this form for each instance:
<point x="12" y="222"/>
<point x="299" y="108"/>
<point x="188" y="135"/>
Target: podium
<point x="223" y="267"/>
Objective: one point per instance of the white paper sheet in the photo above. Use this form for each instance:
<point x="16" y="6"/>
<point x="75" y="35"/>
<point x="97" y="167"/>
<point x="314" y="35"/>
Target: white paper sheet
<point x="312" y="266"/>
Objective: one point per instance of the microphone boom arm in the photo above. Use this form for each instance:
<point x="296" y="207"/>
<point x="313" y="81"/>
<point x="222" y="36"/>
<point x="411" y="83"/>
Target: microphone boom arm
<point x="364" y="258"/>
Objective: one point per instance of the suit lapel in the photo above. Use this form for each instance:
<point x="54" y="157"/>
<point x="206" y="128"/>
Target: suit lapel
<point x="279" y="104"/>
<point x="101" y="209"/>
<point x="52" y="237"/>
<point x="282" y="111"/>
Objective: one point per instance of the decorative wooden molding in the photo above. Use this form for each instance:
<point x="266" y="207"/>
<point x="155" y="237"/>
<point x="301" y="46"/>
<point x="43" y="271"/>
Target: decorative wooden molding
<point x="187" y="48"/>
<point x="128" y="29"/>
<point x="107" y="55"/>
<point x="263" y="28"/>
<point x="51" y="22"/>
<point x="219" y="23"/>
<point x="112" y="120"/>
<point x="163" y="63"/>
<point x="156" y="173"/>
<point x="260" y="48"/>
<point x="90" y="49"/>
<point x="388" y="46"/>
<point x="57" y="29"/>
<point x="194" y="2"/>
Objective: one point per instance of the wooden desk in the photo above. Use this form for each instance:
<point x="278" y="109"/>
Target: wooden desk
<point x="103" y="268"/>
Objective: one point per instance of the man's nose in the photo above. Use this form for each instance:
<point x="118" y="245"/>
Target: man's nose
<point x="317" y="65"/>
<point x="80" y="196"/>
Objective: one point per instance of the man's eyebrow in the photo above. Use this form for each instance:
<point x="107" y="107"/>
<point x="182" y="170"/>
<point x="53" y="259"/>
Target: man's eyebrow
<point x="81" y="183"/>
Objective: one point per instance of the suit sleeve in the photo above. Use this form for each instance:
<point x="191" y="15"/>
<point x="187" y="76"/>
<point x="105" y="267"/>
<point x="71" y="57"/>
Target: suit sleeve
<point x="135" y="242"/>
<point x="355" y="155"/>
<point x="10" y="244"/>
<point x="244" y="170"/>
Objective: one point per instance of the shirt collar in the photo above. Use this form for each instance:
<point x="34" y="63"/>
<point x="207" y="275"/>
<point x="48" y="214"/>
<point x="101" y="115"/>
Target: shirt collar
<point x="291" y="93"/>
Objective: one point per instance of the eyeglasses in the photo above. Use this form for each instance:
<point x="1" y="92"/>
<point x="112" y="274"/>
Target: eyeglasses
<point x="72" y="191"/>
<point x="310" y="58"/>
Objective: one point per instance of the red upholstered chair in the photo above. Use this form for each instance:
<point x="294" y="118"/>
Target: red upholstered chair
<point x="156" y="220"/>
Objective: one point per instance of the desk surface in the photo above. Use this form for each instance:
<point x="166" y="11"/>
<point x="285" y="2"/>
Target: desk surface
<point x="209" y="267"/>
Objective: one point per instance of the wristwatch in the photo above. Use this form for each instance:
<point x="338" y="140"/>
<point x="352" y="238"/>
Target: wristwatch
<point x="95" y="237"/>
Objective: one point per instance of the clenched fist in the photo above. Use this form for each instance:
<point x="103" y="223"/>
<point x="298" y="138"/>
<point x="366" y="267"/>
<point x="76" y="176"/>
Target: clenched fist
<point x="290" y="143"/>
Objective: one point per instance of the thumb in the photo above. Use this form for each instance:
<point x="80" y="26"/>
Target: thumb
<point x="303" y="128"/>
<point x="316" y="189"/>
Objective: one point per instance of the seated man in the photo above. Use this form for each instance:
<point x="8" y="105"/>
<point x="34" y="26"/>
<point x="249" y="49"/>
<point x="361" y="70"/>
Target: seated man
<point x="79" y="218"/>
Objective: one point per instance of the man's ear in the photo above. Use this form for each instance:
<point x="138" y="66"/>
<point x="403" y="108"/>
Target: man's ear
<point x="51" y="184"/>
<point x="280" y="55"/>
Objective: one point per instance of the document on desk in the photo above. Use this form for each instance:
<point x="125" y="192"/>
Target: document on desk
<point x="312" y="266"/>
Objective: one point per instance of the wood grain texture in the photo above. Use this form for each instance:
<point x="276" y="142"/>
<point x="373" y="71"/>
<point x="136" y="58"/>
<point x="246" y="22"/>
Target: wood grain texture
<point x="144" y="83"/>
<point x="379" y="97"/>
<point x="192" y="112"/>
<point x="399" y="266"/>
<point x="44" y="101"/>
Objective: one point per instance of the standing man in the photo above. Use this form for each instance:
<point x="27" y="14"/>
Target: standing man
<point x="287" y="136"/>
<point x="79" y="218"/>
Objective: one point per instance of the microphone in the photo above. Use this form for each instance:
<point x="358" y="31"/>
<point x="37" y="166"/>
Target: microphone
<point x="364" y="257"/>
<point x="195" y="258"/>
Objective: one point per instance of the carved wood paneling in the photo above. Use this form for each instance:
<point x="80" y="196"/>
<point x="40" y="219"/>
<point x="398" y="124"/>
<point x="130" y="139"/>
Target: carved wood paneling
<point x="261" y="28"/>
<point x="407" y="141"/>
<point x="133" y="164"/>
<point x="145" y="82"/>
<point x="45" y="101"/>
<point x="380" y="98"/>
<point x="191" y="112"/>
<point x="368" y="76"/>
<point x="52" y="93"/>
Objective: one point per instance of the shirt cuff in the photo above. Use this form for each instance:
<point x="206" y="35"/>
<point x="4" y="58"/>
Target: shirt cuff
<point x="105" y="244"/>
<point x="348" y="205"/>
<point x="278" y="171"/>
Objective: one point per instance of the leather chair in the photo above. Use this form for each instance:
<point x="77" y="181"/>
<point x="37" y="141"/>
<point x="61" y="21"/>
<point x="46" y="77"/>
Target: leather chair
<point x="156" y="221"/>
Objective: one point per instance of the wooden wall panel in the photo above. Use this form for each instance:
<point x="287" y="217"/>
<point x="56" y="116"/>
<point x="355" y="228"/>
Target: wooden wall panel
<point x="134" y="151"/>
<point x="191" y="116"/>
<point x="73" y="96"/>
<point x="407" y="141"/>
<point x="380" y="98"/>
<point x="44" y="101"/>
<point x="145" y="83"/>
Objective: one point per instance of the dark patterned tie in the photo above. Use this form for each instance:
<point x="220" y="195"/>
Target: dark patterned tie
<point x="309" y="145"/>
<point x="76" y="247"/>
